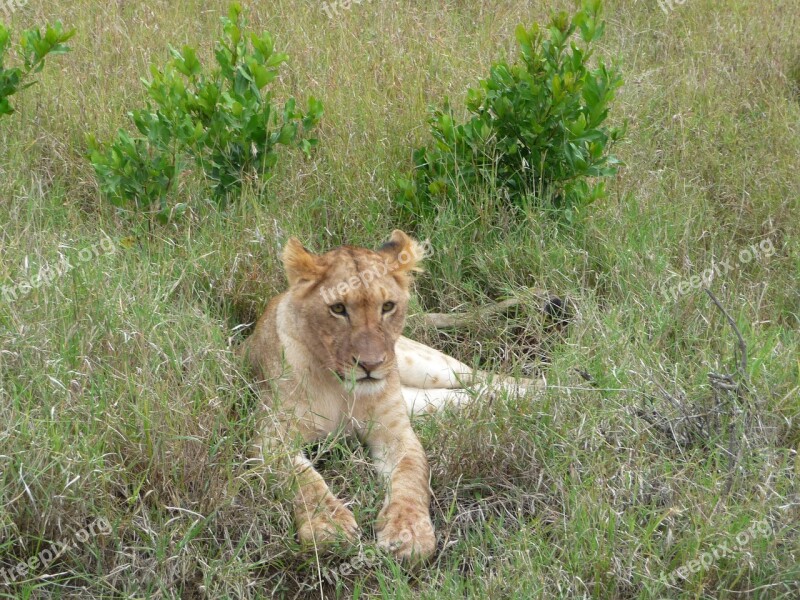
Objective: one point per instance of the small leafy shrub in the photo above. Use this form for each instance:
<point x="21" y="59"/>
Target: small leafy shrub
<point x="33" y="48"/>
<point x="536" y="127"/>
<point x="222" y="120"/>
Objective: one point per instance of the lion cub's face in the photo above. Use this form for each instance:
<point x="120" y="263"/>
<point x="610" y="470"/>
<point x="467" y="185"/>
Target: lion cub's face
<point x="348" y="306"/>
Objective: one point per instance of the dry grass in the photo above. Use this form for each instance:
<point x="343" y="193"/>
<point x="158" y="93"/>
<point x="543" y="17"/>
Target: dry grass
<point x="120" y="398"/>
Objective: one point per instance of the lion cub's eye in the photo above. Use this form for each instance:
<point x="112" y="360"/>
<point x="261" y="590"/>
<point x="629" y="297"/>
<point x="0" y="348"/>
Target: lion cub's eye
<point x="338" y="309"/>
<point x="388" y="307"/>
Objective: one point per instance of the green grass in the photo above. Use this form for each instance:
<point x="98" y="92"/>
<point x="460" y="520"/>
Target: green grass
<point x="120" y="397"/>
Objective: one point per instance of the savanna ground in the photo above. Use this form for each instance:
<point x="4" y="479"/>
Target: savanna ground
<point x="120" y="398"/>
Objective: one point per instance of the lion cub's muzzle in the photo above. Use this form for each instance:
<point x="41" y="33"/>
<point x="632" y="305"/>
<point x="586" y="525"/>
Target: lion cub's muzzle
<point x="370" y="359"/>
<point x="369" y="372"/>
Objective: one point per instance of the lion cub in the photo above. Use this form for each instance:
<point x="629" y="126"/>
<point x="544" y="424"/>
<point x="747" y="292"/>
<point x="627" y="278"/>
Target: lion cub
<point x="324" y="355"/>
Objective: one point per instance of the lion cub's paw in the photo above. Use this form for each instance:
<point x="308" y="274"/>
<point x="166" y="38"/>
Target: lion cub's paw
<point x="407" y="532"/>
<point x="327" y="525"/>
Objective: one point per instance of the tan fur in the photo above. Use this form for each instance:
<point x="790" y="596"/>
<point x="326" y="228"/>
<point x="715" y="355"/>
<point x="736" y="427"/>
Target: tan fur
<point x="311" y="364"/>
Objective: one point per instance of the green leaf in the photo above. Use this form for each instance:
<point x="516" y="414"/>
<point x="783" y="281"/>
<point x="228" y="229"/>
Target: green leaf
<point x="263" y="44"/>
<point x="287" y="134"/>
<point x="5" y="107"/>
<point x="262" y="75"/>
<point x="277" y="59"/>
<point x="186" y="62"/>
<point x="524" y="39"/>
<point x="5" y="42"/>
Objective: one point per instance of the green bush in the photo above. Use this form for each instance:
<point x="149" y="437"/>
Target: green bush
<point x="33" y="48"/>
<point x="536" y="128"/>
<point x="223" y="120"/>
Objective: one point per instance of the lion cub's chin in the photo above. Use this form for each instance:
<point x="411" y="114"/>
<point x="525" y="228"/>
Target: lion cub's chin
<point x="367" y="387"/>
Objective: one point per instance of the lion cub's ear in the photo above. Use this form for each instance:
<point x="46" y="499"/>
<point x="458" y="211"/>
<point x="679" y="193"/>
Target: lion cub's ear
<point x="299" y="263"/>
<point x="403" y="253"/>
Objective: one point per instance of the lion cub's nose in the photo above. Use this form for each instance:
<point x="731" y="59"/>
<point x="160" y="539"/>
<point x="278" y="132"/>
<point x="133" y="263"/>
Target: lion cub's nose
<point x="371" y="364"/>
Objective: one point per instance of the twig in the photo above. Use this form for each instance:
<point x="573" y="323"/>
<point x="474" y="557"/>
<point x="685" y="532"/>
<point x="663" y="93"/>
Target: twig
<point x="742" y="345"/>
<point x="727" y="384"/>
<point x="454" y="320"/>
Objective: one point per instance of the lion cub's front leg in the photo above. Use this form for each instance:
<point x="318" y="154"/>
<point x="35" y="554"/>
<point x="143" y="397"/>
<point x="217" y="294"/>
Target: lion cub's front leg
<point x="404" y="524"/>
<point x="320" y="516"/>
